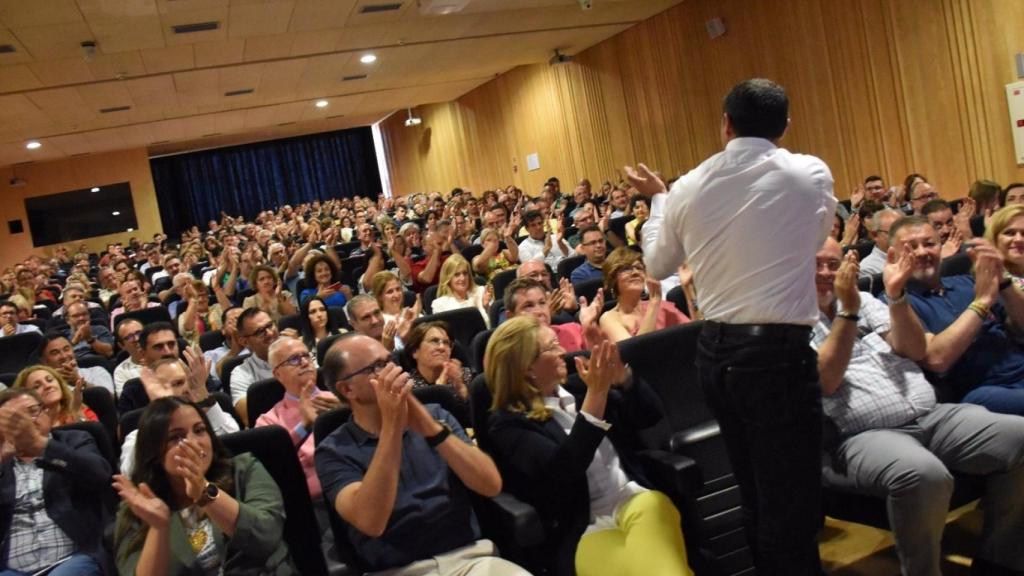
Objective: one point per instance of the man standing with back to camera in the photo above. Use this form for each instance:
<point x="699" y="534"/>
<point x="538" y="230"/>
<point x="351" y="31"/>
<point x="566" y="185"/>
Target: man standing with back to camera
<point x="749" y="221"/>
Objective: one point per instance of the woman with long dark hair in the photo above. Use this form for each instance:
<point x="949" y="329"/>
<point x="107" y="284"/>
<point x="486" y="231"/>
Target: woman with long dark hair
<point x="315" y="324"/>
<point x="191" y="508"/>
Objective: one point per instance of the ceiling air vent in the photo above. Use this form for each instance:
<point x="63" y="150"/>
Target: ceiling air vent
<point x="211" y="134"/>
<point x="335" y="116"/>
<point x="285" y="123"/>
<point x="7" y="48"/>
<point x="114" y="109"/>
<point x="195" y="27"/>
<point x="375" y="8"/>
<point x="158" y="142"/>
<point x="240" y="92"/>
<point x="353" y="77"/>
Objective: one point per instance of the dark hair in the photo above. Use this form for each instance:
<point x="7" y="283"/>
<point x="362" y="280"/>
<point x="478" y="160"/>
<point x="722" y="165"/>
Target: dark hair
<point x="306" y="329"/>
<point x="516" y="286"/>
<point x="907" y="222"/>
<point x="150" y="445"/>
<point x="531" y="215"/>
<point x="9" y="304"/>
<point x="310" y="269"/>
<point x="757" y="108"/>
<point x="638" y="199"/>
<point x="415" y="338"/>
<point x="872" y="178"/>
<point x="908" y="183"/>
<point x="984" y="191"/>
<point x="937" y="205"/>
<point x="589" y="228"/>
<point x="1002" y="193"/>
<point x="247" y="315"/>
<point x="12" y="393"/>
<point x="121" y="321"/>
<point x="152" y="328"/>
<point x="48" y="337"/>
<point x="224" y="314"/>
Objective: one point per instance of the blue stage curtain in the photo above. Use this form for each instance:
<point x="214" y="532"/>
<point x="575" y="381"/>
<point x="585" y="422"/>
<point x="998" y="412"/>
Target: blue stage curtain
<point x="194" y="188"/>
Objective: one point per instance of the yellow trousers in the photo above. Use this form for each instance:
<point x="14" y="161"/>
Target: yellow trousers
<point x="647" y="542"/>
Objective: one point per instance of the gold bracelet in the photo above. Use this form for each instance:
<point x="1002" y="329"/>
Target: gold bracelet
<point x="980" y="309"/>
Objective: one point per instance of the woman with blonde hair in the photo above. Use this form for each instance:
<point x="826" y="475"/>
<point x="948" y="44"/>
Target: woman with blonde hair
<point x="456" y="289"/>
<point x="1006" y="233"/>
<point x="63" y="404"/>
<point x="574" y="459"/>
<point x="625" y="278"/>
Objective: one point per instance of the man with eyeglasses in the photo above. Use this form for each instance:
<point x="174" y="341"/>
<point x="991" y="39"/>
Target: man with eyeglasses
<point x="302" y="403"/>
<point x="49" y="481"/>
<point x="158" y="341"/>
<point x="398" y="471"/>
<point x="258" y="332"/>
<point x="172" y="377"/>
<point x="561" y="299"/>
<point x="86" y="338"/>
<point x="128" y="332"/>
<point x="9" y="325"/>
<point x="878" y="230"/>
<point x="894" y="439"/>
<point x="593" y="245"/>
<point x="920" y="194"/>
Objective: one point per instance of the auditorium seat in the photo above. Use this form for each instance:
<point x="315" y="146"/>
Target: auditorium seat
<point x="567" y="265"/>
<point x="712" y="516"/>
<point x="101" y="402"/>
<point x="323" y="346"/>
<point x="272" y="446"/>
<point x="427" y="299"/>
<point x="588" y="288"/>
<point x="19" y="351"/>
<point x="261" y="397"/>
<point x="463" y="324"/>
<point x="229" y="366"/>
<point x="290" y="321"/>
<point x="477" y="349"/>
<point x="148" y="316"/>
<point x="501" y="280"/>
<point x="211" y="340"/>
<point x="678" y="297"/>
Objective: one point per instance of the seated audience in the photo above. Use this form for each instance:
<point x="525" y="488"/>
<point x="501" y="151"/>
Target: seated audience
<point x="542" y="243"/>
<point x="562" y="298"/>
<point x="494" y="259"/>
<point x="190" y="507"/>
<point x="73" y="293"/>
<point x="58" y="354"/>
<point x="9" y="321"/>
<point x="920" y="192"/>
<point x="128" y="332"/>
<point x="437" y="247"/>
<point x="269" y="297"/>
<point x="940" y="215"/>
<point x="398" y="471"/>
<point x="640" y="208"/>
<point x="62" y="403"/>
<point x="625" y="277"/>
<point x="458" y="290"/>
<point x="429" y="349"/>
<point x="51" y="477"/>
<point x="258" y="332"/>
<point x="232" y="345"/>
<point x="87" y="339"/>
<point x="969" y="321"/>
<point x="1012" y="194"/>
<point x="894" y="439"/>
<point x="593" y="246"/>
<point x="390" y="294"/>
<point x="315" y="324"/>
<point x="573" y="458"/>
<point x="323" y="274"/>
<point x="133" y="299"/>
<point x="170" y="376"/>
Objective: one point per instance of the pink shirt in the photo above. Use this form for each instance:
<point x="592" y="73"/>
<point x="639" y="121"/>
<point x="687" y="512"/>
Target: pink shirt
<point x="668" y="315"/>
<point x="570" y="336"/>
<point x="286" y="414"/>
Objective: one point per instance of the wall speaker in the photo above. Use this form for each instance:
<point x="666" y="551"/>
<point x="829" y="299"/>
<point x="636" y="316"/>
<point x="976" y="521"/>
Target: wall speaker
<point x="715" y="28"/>
<point x="15" y="226"/>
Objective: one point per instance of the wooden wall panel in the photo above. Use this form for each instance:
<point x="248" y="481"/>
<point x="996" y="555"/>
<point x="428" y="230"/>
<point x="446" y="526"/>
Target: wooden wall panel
<point x="877" y="86"/>
<point x="71" y="174"/>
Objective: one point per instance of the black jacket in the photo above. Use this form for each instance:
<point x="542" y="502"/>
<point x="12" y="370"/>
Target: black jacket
<point x="543" y="466"/>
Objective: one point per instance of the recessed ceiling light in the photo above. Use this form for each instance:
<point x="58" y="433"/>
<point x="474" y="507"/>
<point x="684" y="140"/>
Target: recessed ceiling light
<point x="94" y="189"/>
<point x="130" y="230"/>
<point x="368" y="59"/>
<point x="116" y="213"/>
<point x="33" y="144"/>
<point x="322" y="103"/>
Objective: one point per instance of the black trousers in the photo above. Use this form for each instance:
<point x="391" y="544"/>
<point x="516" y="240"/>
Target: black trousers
<point x="762" y="384"/>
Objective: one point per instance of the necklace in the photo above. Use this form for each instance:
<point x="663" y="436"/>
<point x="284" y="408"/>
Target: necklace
<point x="197" y="535"/>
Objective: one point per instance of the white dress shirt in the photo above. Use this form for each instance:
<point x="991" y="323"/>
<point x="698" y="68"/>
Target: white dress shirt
<point x="749" y="221"/>
<point x="530" y="249"/>
<point x="249" y="372"/>
<point x="124" y="372"/>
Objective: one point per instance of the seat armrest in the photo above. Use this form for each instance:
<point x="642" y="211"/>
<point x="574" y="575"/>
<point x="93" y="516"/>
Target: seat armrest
<point x="693" y="435"/>
<point x="673" y="473"/>
<point x="515" y="519"/>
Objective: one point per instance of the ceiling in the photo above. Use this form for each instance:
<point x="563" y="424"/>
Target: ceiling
<point x="290" y="53"/>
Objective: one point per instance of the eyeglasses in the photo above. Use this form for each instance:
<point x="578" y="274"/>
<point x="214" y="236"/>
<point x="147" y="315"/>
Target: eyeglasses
<point x="134" y="336"/>
<point x="636" y="267"/>
<point x="296" y="360"/>
<point x="262" y="330"/>
<point x="439" y="342"/>
<point x="34" y="411"/>
<point x="373" y="368"/>
<point x="928" y="196"/>
<point x="832" y="265"/>
<point x="593" y="243"/>
<point x="550" y="347"/>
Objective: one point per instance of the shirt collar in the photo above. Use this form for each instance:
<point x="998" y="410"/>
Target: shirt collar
<point x="737" y="144"/>
<point x="562" y="401"/>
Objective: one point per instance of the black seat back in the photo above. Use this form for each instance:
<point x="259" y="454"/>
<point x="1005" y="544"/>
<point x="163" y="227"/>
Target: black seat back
<point x="588" y="288"/>
<point x="477" y="350"/>
<point x="261" y="397"/>
<point x="272" y="446"/>
<point x="567" y="265"/>
<point x="148" y="316"/>
<point x="501" y="280"/>
<point x="427" y="299"/>
<point x="101" y="401"/>
<point x="228" y="367"/>
<point x="463" y="324"/>
<point x="19" y="351"/>
<point x="211" y="340"/>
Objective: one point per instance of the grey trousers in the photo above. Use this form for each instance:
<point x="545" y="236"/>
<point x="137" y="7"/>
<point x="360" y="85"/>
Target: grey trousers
<point x="476" y="559"/>
<point x="910" y="467"/>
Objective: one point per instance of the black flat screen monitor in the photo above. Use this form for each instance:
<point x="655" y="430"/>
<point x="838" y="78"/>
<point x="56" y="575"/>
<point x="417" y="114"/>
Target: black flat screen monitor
<point x="78" y="214"/>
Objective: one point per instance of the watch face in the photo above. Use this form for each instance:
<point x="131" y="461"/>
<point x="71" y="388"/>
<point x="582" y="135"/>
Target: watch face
<point x="212" y="490"/>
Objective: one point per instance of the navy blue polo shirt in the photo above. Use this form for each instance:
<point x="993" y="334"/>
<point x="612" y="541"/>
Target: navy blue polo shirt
<point x="993" y="358"/>
<point x="432" y="513"/>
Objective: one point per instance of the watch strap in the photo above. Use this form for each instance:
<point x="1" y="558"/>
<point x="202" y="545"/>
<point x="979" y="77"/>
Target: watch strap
<point x="441" y="436"/>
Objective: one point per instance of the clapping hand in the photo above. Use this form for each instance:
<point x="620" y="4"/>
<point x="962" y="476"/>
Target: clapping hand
<point x="603" y="369"/>
<point x="393" y="387"/>
<point x="845" y="284"/>
<point x="952" y="244"/>
<point x="899" y="266"/>
<point x="645" y="181"/>
<point x="143" y="503"/>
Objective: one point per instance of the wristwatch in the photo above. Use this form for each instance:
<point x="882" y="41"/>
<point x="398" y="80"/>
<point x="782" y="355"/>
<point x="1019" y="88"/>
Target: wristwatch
<point x="435" y="440"/>
<point x="210" y="494"/>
